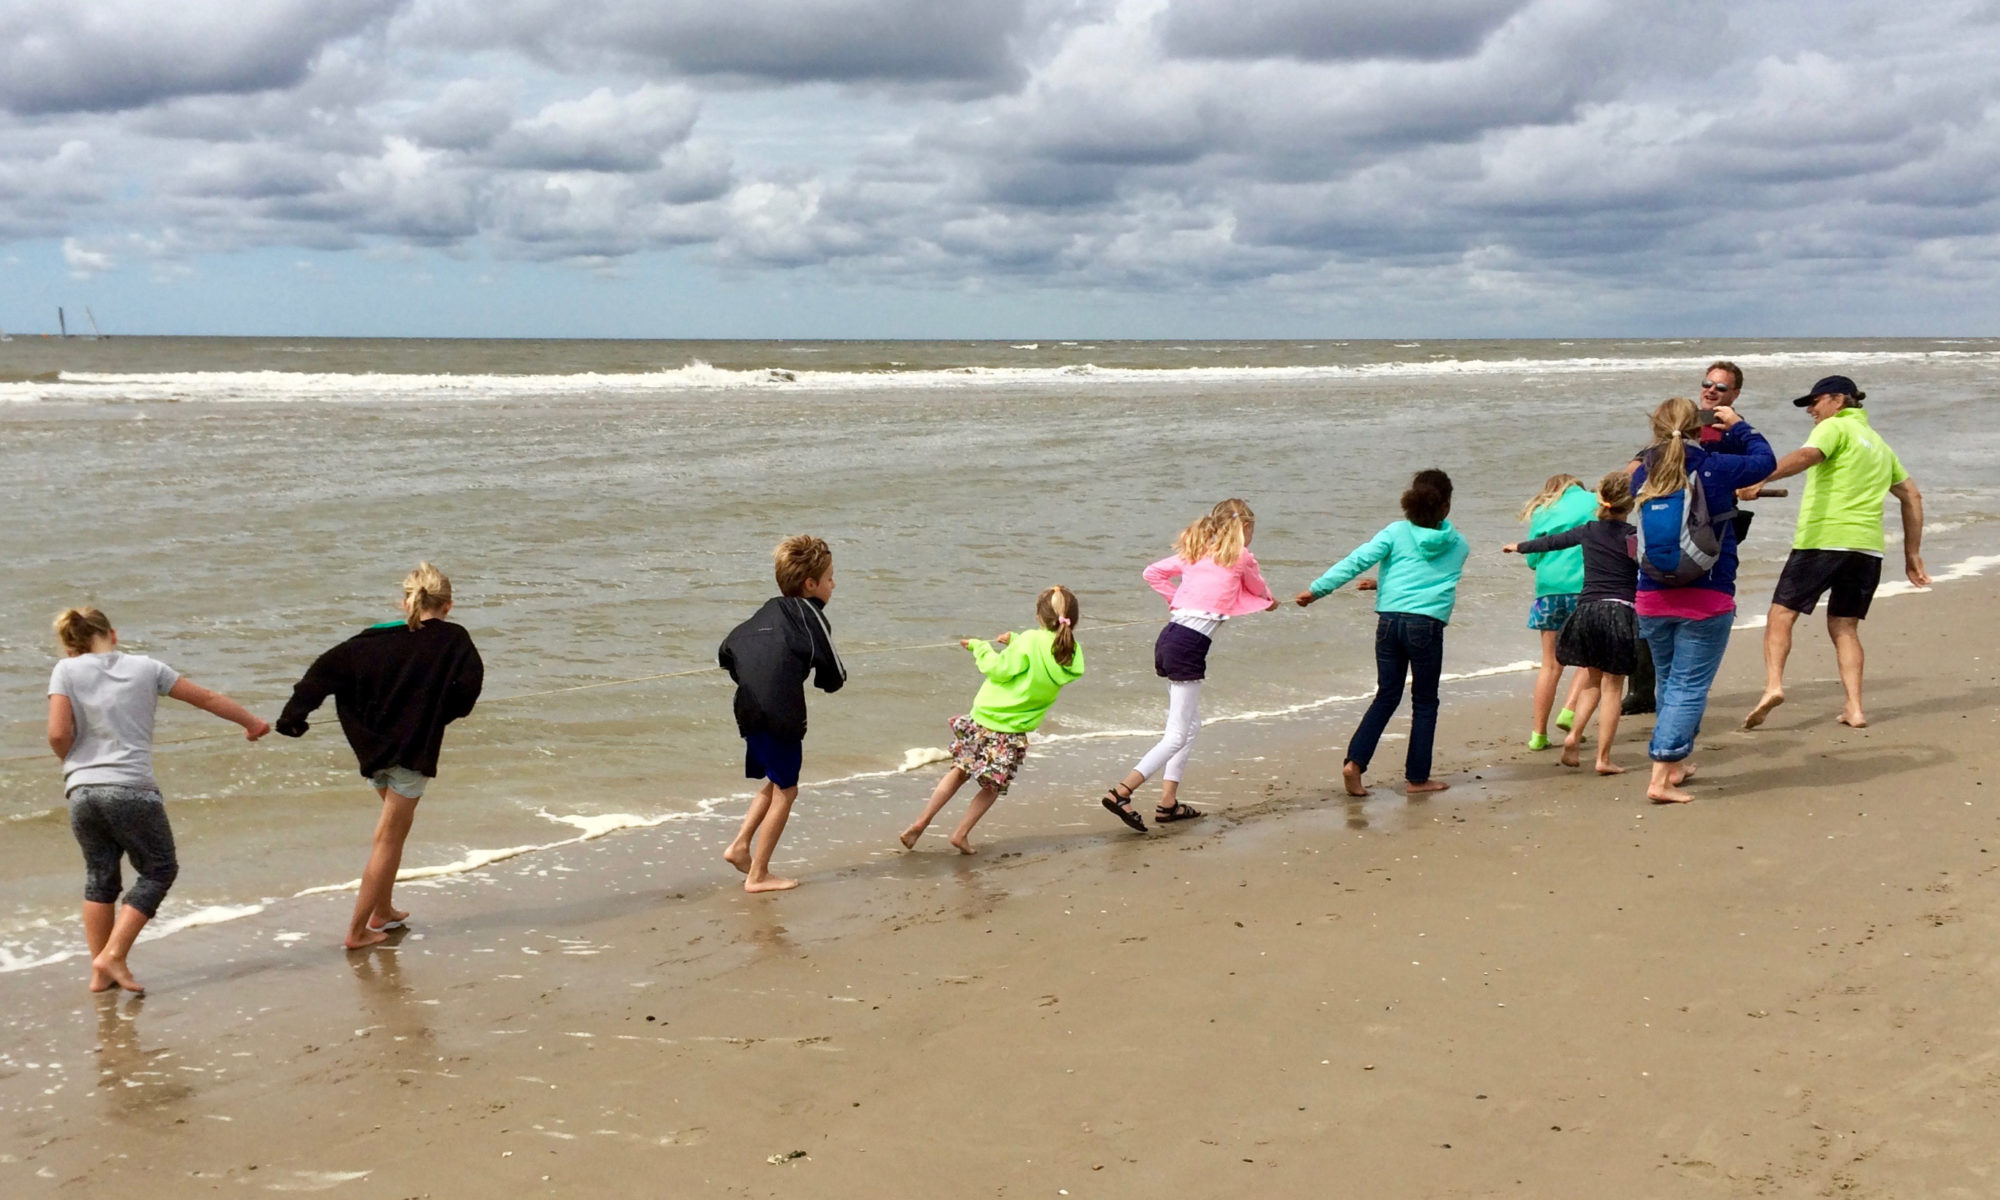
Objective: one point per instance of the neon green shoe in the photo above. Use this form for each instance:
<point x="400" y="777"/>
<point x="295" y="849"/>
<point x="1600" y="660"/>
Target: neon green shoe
<point x="1565" y="719"/>
<point x="1538" y="741"/>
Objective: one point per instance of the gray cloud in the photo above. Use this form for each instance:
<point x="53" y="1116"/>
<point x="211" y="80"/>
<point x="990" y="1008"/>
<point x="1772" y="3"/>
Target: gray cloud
<point x="1331" y="30"/>
<point x="120" y="54"/>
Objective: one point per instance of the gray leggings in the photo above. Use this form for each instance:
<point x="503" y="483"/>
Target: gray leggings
<point x="110" y="820"/>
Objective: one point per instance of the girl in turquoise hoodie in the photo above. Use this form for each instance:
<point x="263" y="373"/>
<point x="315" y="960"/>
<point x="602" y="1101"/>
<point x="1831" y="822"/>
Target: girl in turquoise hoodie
<point x="1421" y="558"/>
<point x="1022" y="678"/>
<point x="1562" y="504"/>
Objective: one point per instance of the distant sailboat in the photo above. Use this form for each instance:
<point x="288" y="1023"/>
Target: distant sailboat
<point x="93" y="322"/>
<point x="62" y="322"/>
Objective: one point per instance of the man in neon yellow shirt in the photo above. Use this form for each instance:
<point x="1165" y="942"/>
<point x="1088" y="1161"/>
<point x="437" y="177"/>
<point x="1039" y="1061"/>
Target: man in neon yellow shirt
<point x="1839" y="544"/>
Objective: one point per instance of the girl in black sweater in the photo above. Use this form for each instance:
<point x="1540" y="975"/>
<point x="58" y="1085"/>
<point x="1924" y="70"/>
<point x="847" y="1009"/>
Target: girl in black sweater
<point x="1602" y="635"/>
<point x="395" y="687"/>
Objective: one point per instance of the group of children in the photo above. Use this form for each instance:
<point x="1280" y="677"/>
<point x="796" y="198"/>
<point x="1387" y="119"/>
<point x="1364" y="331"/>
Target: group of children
<point x="397" y="685"/>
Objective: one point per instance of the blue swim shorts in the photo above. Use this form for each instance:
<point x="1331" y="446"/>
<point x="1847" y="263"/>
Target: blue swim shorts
<point x="766" y="757"/>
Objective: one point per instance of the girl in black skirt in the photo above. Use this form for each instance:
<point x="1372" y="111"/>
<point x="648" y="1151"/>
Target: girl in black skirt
<point x="1602" y="635"/>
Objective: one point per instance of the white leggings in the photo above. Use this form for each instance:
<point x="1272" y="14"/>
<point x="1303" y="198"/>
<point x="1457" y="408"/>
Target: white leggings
<point x="1183" y="722"/>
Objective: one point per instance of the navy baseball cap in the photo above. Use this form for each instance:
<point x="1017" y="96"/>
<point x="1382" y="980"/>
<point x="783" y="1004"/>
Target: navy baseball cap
<point x="1838" y="385"/>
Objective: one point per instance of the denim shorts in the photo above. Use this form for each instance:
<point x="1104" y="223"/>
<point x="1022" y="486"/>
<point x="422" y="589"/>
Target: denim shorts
<point x="402" y="781"/>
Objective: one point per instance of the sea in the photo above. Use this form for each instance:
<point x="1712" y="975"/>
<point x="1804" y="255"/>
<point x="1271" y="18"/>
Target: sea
<point x="606" y="512"/>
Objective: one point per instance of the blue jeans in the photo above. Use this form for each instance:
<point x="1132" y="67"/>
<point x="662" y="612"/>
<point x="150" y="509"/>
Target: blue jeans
<point x="1686" y="655"/>
<point x="1405" y="644"/>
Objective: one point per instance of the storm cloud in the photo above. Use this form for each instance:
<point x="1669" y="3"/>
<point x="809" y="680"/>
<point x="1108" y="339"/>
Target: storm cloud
<point x="1305" y="151"/>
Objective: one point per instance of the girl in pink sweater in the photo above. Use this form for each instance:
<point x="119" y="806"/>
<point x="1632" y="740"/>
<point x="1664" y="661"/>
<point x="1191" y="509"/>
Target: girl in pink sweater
<point x="1211" y="577"/>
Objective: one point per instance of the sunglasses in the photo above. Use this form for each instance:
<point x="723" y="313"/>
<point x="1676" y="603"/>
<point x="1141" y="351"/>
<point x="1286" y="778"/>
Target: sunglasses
<point x="1708" y="385"/>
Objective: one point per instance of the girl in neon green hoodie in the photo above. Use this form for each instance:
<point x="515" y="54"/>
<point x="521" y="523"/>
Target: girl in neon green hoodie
<point x="1023" y="677"/>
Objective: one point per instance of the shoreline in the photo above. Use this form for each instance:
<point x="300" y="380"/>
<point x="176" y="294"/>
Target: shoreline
<point x="1778" y="989"/>
<point x="809" y="846"/>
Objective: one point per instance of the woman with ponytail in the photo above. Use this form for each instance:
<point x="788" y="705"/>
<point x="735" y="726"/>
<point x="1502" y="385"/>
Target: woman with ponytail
<point x="1686" y="625"/>
<point x="395" y="687"/>
<point x="1023" y="676"/>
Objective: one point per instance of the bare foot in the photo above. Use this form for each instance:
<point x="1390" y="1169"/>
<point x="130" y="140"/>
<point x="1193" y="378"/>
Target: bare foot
<point x="1350" y="777"/>
<point x="1668" y="795"/>
<point x="1853" y="718"/>
<point x="99" y="981"/>
<point x="1680" y="773"/>
<point x="964" y="847"/>
<point x="1570" y="758"/>
<point x="909" y="837"/>
<point x="738" y="857"/>
<point x="770" y="883"/>
<point x="1428" y="785"/>
<point x="1770" y="701"/>
<point x="115" y="970"/>
<point x="385" y="918"/>
<point x="1605" y="767"/>
<point x="373" y="937"/>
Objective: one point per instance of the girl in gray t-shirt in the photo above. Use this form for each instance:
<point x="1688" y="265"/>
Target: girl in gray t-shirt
<point x="101" y="705"/>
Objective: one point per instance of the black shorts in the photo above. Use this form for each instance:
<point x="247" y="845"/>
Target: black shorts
<point x="1180" y="654"/>
<point x="1849" y="575"/>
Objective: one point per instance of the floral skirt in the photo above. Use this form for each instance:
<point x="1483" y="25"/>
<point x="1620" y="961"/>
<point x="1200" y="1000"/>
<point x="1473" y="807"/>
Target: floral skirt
<point x="989" y="757"/>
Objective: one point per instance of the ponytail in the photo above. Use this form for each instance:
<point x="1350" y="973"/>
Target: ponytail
<point x="1614" y="495"/>
<point x="426" y="591"/>
<point x="79" y="628"/>
<point x="1666" y="470"/>
<point x="1059" y="612"/>
<point x="1193" y="543"/>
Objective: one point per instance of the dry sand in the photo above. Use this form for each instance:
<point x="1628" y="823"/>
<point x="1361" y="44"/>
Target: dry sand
<point x="1535" y="984"/>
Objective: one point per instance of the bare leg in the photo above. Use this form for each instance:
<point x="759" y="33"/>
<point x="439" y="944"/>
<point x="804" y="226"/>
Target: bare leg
<point x="1846" y="635"/>
<point x="981" y="804"/>
<point x="759" y="878"/>
<point x="1546" y="681"/>
<point x="1777" y="648"/>
<point x="941" y="795"/>
<point x="385" y="858"/>
<point x="1577" y="691"/>
<point x="97" y="922"/>
<point x="1610" y="688"/>
<point x="110" y="961"/>
<point x="738" y="854"/>
<point x="1572" y="745"/>
<point x="1663" y="788"/>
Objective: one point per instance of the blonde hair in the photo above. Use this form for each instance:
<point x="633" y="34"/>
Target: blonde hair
<point x="77" y="628"/>
<point x="1192" y="544"/>
<point x="1550" y="493"/>
<point x="425" y="591"/>
<point x="1673" y="421"/>
<point x="1229" y="531"/>
<point x="1614" y="495"/>
<point x="799" y="560"/>
<point x="1056" y="608"/>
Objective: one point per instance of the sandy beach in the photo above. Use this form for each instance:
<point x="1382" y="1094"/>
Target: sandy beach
<point x="1533" y="984"/>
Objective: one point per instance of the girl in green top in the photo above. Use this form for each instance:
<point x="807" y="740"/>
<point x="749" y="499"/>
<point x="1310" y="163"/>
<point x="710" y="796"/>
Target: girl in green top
<point x="1023" y="676"/>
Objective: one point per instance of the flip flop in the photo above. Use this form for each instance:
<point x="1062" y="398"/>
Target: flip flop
<point x="1121" y="807"/>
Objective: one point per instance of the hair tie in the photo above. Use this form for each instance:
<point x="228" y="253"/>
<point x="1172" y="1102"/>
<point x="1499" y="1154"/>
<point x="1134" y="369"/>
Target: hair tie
<point x="1063" y="621"/>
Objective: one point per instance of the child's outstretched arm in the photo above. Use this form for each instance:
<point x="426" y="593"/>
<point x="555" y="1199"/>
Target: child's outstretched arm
<point x="1253" y="578"/>
<point x="211" y="701"/>
<point x="998" y="665"/>
<point x="1535" y="547"/>
<point x="321" y="679"/>
<point x="1160" y="576"/>
<point x="1364" y="556"/>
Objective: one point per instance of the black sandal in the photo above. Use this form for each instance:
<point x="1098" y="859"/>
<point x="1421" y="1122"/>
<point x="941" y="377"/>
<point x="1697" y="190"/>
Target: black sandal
<point x="1179" y="812"/>
<point x="1120" y="806"/>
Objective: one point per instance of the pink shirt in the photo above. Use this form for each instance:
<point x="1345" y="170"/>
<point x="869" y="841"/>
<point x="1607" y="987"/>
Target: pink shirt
<point x="1692" y="603"/>
<point x="1208" y="586"/>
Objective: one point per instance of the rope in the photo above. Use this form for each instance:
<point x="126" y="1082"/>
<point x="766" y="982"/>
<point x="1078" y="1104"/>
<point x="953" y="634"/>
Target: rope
<point x="603" y="683"/>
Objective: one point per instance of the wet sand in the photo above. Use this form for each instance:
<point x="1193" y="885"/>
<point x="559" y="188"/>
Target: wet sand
<point x="1533" y="984"/>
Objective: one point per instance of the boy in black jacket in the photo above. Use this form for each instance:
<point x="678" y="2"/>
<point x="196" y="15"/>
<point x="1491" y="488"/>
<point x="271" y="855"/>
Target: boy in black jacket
<point x="769" y="657"/>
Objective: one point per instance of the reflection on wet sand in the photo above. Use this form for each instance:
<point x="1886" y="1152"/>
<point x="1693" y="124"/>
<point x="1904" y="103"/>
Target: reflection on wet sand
<point x="135" y="1080"/>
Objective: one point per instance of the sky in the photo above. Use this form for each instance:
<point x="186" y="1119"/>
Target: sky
<point x="1002" y="168"/>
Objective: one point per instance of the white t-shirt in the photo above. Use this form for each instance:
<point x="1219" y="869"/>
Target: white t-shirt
<point x="114" y="696"/>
